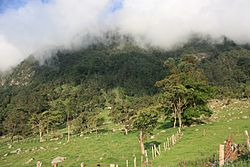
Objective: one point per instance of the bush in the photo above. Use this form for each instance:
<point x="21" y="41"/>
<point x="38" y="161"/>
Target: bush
<point x="196" y="115"/>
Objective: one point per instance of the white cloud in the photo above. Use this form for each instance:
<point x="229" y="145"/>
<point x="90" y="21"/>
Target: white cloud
<point x="40" y="26"/>
<point x="61" y="23"/>
<point x="166" y="22"/>
<point x="10" y="55"/>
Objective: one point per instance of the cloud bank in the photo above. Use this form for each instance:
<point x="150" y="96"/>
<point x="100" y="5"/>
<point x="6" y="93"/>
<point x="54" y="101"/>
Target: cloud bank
<point x="38" y="26"/>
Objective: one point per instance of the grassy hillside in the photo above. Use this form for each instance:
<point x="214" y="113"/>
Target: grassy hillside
<point x="107" y="147"/>
<point x="203" y="141"/>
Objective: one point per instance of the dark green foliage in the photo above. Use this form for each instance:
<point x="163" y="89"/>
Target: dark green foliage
<point x="85" y="80"/>
<point x="247" y="90"/>
<point x="146" y="120"/>
<point x="110" y="67"/>
<point x="87" y="122"/>
<point x="228" y="69"/>
<point x="16" y="123"/>
<point x="122" y="111"/>
<point x="185" y="90"/>
<point x="196" y="115"/>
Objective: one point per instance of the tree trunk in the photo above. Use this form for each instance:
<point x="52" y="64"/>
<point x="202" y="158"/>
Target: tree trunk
<point x="175" y="120"/>
<point x="68" y="124"/>
<point x="175" y="114"/>
<point x="13" y="133"/>
<point x="96" y="131"/>
<point x="180" y="121"/>
<point x="12" y="137"/>
<point x="40" y="133"/>
<point x="126" y="131"/>
<point x="142" y="142"/>
<point x="179" y="111"/>
<point x="68" y="131"/>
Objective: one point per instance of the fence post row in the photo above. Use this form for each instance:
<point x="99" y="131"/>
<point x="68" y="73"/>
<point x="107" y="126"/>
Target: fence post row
<point x="155" y="151"/>
<point x="170" y="142"/>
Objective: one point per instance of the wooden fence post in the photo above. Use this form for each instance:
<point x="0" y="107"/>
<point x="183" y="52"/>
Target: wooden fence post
<point x="153" y="153"/>
<point x="164" y="146"/>
<point x="221" y="155"/>
<point x="112" y="165"/>
<point x="159" y="148"/>
<point x="156" y="151"/>
<point x="82" y="164"/>
<point x="38" y="164"/>
<point x="126" y="163"/>
<point x="247" y="141"/>
<point x="116" y="165"/>
<point x="134" y="161"/>
<point x="173" y="140"/>
<point x="142" y="159"/>
<point x="168" y="144"/>
<point x="179" y="130"/>
<point x="146" y="156"/>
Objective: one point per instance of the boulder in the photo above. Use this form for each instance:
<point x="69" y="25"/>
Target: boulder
<point x="29" y="161"/>
<point x="58" y="160"/>
<point x="17" y="151"/>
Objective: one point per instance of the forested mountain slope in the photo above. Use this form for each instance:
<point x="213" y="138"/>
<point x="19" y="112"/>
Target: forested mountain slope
<point x="95" y="71"/>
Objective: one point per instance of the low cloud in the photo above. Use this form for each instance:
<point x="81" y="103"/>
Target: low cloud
<point x="39" y="26"/>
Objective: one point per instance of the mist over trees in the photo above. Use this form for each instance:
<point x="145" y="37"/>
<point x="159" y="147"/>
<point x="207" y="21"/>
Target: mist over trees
<point x="136" y="85"/>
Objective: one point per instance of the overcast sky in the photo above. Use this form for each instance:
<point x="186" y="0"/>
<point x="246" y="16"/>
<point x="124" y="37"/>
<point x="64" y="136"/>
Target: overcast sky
<point x="33" y="26"/>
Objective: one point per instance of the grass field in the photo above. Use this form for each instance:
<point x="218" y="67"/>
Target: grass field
<point x="108" y="147"/>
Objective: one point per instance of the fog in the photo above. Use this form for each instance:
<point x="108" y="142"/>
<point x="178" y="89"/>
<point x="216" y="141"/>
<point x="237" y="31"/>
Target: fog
<point x="37" y="27"/>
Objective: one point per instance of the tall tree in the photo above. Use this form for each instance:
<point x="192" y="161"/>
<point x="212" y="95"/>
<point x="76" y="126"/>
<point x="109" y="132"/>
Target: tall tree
<point x="185" y="87"/>
<point x="88" y="122"/>
<point x="66" y="103"/>
<point x="15" y="123"/>
<point x="122" y="111"/>
<point x="43" y="121"/>
<point x="145" y="121"/>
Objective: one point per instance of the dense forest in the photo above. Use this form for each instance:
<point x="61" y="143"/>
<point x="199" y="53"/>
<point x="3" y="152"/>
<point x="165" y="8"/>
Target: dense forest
<point x="136" y="84"/>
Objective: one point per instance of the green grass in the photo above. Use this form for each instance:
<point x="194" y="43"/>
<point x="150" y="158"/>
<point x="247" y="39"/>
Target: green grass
<point x="198" y="142"/>
<point x="203" y="141"/>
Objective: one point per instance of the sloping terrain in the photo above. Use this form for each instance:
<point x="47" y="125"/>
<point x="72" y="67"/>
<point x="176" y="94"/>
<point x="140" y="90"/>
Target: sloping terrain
<point x="199" y="142"/>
